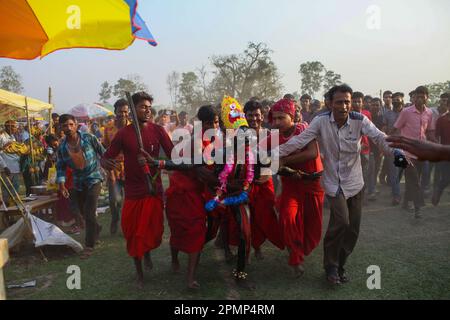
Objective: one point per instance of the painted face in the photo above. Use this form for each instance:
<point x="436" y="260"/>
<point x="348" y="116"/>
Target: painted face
<point x="233" y="116"/>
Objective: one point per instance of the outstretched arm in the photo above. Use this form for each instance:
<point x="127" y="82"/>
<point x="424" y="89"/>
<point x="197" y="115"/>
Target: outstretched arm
<point x="298" y="142"/>
<point x="424" y="150"/>
<point x="309" y="153"/>
<point x="378" y="137"/>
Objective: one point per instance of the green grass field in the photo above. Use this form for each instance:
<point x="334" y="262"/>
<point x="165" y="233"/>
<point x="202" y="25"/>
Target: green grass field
<point x="413" y="255"/>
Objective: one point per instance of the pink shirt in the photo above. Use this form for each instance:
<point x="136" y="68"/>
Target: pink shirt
<point x="413" y="124"/>
<point x="188" y="126"/>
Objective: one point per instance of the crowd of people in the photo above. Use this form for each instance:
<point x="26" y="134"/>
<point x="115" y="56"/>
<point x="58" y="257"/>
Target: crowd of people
<point x="334" y="153"/>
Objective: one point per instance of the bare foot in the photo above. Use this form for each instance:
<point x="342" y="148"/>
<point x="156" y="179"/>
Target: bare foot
<point x="193" y="285"/>
<point x="148" y="262"/>
<point x="245" y="284"/>
<point x="140" y="283"/>
<point x="229" y="256"/>
<point x="258" y="254"/>
<point x="299" y="271"/>
<point x="175" y="267"/>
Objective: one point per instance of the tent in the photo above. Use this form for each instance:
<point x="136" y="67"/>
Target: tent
<point x="13" y="106"/>
<point x="44" y="233"/>
<point x="30" y="228"/>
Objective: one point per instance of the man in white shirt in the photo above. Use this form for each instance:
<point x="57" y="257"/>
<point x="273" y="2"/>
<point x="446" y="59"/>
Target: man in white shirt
<point x="9" y="162"/>
<point x="339" y="133"/>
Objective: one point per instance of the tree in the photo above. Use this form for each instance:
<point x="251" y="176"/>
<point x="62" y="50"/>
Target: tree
<point x="173" y="85"/>
<point x="105" y="92"/>
<point x="205" y="87"/>
<point x="190" y="93"/>
<point x="436" y="89"/>
<point x="132" y="83"/>
<point x="330" y="80"/>
<point x="315" y="76"/>
<point x="312" y="77"/>
<point x="252" y="73"/>
<point x="10" y="80"/>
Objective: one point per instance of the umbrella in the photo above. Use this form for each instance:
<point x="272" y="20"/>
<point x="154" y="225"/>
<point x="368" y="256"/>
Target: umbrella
<point x="87" y="111"/>
<point x="35" y="28"/>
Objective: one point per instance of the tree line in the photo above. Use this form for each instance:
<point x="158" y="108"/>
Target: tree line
<point x="251" y="73"/>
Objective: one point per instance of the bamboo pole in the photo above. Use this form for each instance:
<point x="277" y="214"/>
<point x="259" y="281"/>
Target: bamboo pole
<point x="29" y="131"/>
<point x="3" y="259"/>
<point x="50" y="120"/>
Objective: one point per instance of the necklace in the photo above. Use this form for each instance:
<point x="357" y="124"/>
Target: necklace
<point x="76" y="147"/>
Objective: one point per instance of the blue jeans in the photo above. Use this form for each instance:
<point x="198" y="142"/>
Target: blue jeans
<point x="15" y="179"/>
<point x="394" y="177"/>
<point x="426" y="175"/>
<point x="374" y="168"/>
<point x="365" y="170"/>
<point x="116" y="197"/>
<point x="444" y="177"/>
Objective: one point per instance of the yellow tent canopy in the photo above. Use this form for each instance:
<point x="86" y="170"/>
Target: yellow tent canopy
<point x="12" y="105"/>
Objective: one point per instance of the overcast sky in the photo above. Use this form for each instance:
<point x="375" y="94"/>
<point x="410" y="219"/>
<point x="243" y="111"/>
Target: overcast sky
<point x="378" y="44"/>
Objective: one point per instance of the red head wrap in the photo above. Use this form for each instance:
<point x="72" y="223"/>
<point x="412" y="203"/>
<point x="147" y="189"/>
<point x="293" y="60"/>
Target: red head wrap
<point x="283" y="105"/>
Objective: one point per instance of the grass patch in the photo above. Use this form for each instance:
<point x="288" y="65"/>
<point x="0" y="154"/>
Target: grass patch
<point x="412" y="255"/>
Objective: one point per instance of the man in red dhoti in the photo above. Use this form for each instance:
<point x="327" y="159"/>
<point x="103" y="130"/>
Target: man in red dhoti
<point x="142" y="213"/>
<point x="185" y="207"/>
<point x="263" y="219"/>
<point x="302" y="196"/>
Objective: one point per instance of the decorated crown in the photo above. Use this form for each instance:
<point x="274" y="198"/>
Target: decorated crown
<point x="233" y="116"/>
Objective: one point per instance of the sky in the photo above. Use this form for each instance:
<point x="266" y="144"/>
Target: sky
<point x="374" y="44"/>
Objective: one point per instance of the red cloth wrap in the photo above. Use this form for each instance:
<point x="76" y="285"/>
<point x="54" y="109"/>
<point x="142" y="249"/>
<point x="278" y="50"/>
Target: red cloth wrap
<point x="186" y="213"/>
<point x="283" y="105"/>
<point x="263" y="219"/>
<point x="142" y="224"/>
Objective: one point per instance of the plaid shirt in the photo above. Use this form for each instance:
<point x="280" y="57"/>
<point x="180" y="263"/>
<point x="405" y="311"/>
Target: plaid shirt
<point x="90" y="174"/>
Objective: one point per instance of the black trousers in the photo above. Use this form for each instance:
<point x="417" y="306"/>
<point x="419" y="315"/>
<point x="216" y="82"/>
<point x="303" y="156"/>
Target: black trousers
<point x="241" y="258"/>
<point x="343" y="229"/>
<point x="87" y="202"/>
<point x="413" y="190"/>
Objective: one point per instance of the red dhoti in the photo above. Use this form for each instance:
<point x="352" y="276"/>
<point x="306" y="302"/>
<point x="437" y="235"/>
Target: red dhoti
<point x="186" y="214"/>
<point x="264" y="222"/>
<point x="300" y="206"/>
<point x="142" y="224"/>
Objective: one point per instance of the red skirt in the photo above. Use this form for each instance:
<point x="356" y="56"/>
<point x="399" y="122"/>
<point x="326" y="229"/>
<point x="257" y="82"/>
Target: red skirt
<point x="142" y="225"/>
<point x="187" y="221"/>
<point x="300" y="207"/>
<point x="264" y="221"/>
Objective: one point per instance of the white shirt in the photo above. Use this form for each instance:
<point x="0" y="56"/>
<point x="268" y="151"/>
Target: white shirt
<point x="341" y="149"/>
<point x="12" y="161"/>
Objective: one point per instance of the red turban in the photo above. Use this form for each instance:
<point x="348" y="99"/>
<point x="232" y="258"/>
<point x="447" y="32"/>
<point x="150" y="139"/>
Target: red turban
<point x="283" y="105"/>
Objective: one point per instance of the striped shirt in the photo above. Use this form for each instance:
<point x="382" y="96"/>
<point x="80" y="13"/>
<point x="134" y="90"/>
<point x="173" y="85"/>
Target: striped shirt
<point x="90" y="174"/>
<point x="341" y="149"/>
